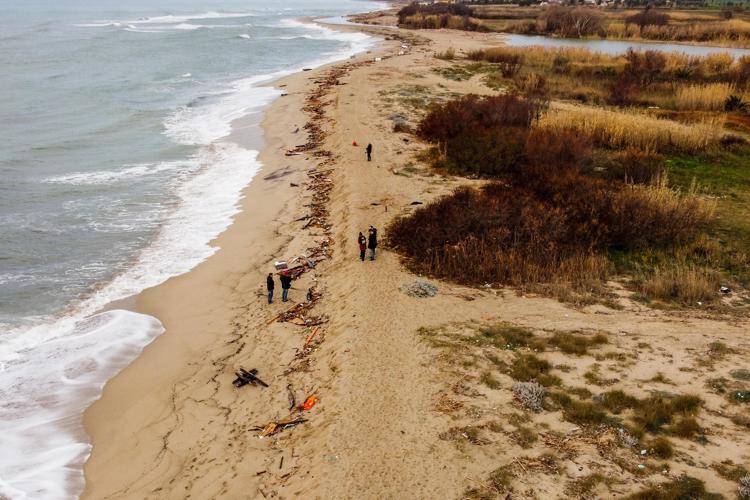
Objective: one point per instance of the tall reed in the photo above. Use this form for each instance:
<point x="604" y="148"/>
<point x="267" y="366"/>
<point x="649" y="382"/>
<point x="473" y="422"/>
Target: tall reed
<point x="623" y="129"/>
<point x="707" y="97"/>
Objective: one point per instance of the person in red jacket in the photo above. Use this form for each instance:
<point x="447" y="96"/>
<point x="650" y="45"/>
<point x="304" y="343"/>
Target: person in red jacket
<point x="362" y="246"/>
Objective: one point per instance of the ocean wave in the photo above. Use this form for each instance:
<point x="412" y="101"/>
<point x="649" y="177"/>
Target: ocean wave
<point x="170" y="19"/>
<point x="127" y="173"/>
<point x="203" y="124"/>
<point x="51" y="371"/>
<point x="44" y="450"/>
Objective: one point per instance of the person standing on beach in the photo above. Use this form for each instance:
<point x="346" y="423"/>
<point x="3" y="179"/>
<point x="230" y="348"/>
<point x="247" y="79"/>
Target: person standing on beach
<point x="368" y="149"/>
<point x="372" y="242"/>
<point x="286" y="284"/>
<point x="270" y="286"/>
<point x="362" y="246"/>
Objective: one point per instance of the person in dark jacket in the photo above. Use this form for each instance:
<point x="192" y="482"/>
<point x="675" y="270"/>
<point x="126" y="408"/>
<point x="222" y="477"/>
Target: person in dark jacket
<point x="270" y="286"/>
<point x="368" y="150"/>
<point x="372" y="242"/>
<point x="286" y="284"/>
<point x="362" y="246"/>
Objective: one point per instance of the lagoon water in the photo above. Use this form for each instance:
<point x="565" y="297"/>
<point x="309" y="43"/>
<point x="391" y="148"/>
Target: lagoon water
<point x="614" y="47"/>
<point x="114" y="175"/>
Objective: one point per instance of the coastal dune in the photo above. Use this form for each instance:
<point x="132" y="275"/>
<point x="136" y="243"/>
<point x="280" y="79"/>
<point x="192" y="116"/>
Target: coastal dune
<point x="171" y="425"/>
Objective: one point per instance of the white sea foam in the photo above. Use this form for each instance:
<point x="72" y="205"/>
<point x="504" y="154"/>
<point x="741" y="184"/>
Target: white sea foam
<point x="204" y="124"/>
<point x="190" y="17"/>
<point x="127" y="173"/>
<point x="43" y="390"/>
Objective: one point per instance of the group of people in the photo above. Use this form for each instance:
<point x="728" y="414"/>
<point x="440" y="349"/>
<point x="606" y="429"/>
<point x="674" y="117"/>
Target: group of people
<point x="370" y="242"/>
<point x="286" y="284"/>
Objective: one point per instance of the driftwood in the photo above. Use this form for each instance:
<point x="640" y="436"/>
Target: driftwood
<point x="272" y="428"/>
<point x="245" y="377"/>
<point x="292" y="398"/>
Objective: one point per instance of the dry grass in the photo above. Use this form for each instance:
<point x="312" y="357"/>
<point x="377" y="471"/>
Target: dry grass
<point x="707" y="97"/>
<point x="625" y="129"/>
<point x="448" y="55"/>
<point x="682" y="283"/>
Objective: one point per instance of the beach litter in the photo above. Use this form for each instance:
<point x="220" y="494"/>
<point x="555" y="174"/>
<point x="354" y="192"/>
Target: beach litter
<point x="309" y="402"/>
<point x="280" y="264"/>
<point x="272" y="428"/>
<point x="245" y="377"/>
<point x="419" y="289"/>
<point x="297" y="315"/>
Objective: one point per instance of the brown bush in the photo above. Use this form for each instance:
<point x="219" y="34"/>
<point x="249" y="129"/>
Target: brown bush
<point x="644" y="67"/>
<point x="556" y="228"/>
<point x="510" y="63"/>
<point x="563" y="148"/>
<point x="483" y="137"/>
<point x="455" y="9"/>
<point x="574" y="22"/>
<point x="636" y="166"/>
<point x="648" y="17"/>
<point x="493" y="152"/>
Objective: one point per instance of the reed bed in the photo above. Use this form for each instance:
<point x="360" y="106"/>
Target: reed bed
<point x="631" y="129"/>
<point x="707" y="97"/>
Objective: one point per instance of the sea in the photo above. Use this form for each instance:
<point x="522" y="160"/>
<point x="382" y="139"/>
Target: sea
<point x="116" y="172"/>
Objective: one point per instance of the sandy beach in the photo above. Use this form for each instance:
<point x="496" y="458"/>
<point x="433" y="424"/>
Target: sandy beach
<point x="172" y="425"/>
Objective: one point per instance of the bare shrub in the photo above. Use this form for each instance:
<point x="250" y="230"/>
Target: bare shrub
<point x="644" y="67"/>
<point x="531" y="394"/>
<point x="480" y="136"/>
<point x="648" y="17"/>
<point x="561" y="148"/>
<point x="494" y="152"/>
<point x="448" y="55"/>
<point x="636" y="166"/>
<point x="574" y="22"/>
<point x="449" y="120"/>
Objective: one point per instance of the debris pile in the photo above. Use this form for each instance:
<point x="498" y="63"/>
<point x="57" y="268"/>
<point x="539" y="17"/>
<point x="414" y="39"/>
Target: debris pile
<point x="420" y="289"/>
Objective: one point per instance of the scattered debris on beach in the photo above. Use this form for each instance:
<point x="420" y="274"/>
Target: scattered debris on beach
<point x="272" y="428"/>
<point x="245" y="377"/>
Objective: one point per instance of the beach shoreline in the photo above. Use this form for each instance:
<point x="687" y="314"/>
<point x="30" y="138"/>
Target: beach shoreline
<point x="392" y="418"/>
<point x="197" y="308"/>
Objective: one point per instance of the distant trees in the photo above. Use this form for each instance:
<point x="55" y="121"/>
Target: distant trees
<point x="648" y="17"/>
<point x="436" y="9"/>
<point x="574" y="22"/>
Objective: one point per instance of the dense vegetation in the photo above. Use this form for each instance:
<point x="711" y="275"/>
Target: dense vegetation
<point x="550" y="217"/>
<point x="725" y="27"/>
<point x="583" y="190"/>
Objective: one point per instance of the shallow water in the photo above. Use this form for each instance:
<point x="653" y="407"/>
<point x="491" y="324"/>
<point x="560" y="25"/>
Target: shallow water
<point x="115" y="173"/>
<point x="615" y="47"/>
